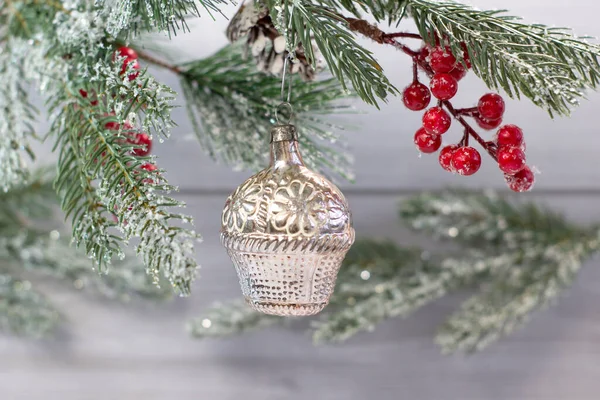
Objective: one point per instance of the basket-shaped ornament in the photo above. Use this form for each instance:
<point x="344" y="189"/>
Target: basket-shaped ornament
<point x="287" y="230"/>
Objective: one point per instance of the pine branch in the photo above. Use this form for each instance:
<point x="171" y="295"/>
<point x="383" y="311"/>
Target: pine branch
<point x="410" y="286"/>
<point x="538" y="254"/>
<point x="170" y="16"/>
<point x="515" y="293"/>
<point x="17" y="115"/>
<point x="377" y="281"/>
<point x="229" y="319"/>
<point x="549" y="65"/>
<point x="32" y="199"/>
<point x="391" y="10"/>
<point x="231" y="106"/>
<point x="486" y="220"/>
<point x="24" y="311"/>
<point x="27" y="243"/>
<point x="303" y="21"/>
<point x="51" y="255"/>
<point x="528" y="258"/>
<point x="99" y="175"/>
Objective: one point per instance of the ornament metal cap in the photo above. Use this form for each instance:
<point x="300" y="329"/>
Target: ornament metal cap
<point x="287" y="230"/>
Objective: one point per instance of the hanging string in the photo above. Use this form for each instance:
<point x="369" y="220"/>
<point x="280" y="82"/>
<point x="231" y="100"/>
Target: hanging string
<point x="285" y="99"/>
<point x="287" y="61"/>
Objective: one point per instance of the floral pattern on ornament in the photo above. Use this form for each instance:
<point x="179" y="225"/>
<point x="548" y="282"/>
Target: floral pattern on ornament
<point x="298" y="209"/>
<point x="242" y="206"/>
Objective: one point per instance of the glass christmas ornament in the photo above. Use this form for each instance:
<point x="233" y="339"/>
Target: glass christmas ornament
<point x="287" y="230"/>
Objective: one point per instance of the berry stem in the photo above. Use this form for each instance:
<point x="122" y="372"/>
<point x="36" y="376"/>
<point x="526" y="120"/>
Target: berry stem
<point x="468" y="112"/>
<point x="159" y="63"/>
<point x="403" y="35"/>
<point x="405" y="49"/>
<point x="151" y="59"/>
<point x="465" y="139"/>
<point x="415" y="71"/>
<point x="469" y="129"/>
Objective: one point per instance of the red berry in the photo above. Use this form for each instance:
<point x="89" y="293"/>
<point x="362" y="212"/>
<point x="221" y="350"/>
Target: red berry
<point x="112" y="125"/>
<point x="488" y="124"/>
<point x="445" y="157"/>
<point x="130" y="57"/>
<point x="141" y="139"/>
<point x="509" y="135"/>
<point x="491" y="106"/>
<point x="126" y="52"/>
<point x="426" y="142"/>
<point x="522" y="181"/>
<point x="466" y="160"/>
<point x="511" y="159"/>
<point x="135" y="66"/>
<point x="115" y="126"/>
<point x="83" y="93"/>
<point x="149" y="167"/>
<point x="436" y="121"/>
<point x="443" y="86"/>
<point x="441" y="60"/>
<point x="458" y="72"/>
<point x="416" y="96"/>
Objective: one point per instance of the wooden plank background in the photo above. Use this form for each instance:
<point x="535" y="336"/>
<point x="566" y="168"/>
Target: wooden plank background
<point x="140" y="351"/>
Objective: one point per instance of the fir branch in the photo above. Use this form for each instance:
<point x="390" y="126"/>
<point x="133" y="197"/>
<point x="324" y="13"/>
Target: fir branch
<point x="32" y="199"/>
<point x="51" y="255"/>
<point x="231" y="106"/>
<point x="537" y="255"/>
<point x="79" y="200"/>
<point x="377" y="281"/>
<point x="229" y="319"/>
<point x="24" y="311"/>
<point x="486" y="220"/>
<point x="391" y="10"/>
<point x="394" y="286"/>
<point x="17" y="115"/>
<point x="27" y="244"/>
<point x="550" y="66"/>
<point x="515" y="293"/>
<point x="305" y="22"/>
<point x="170" y="16"/>
<point x="99" y="175"/>
<point x="528" y="259"/>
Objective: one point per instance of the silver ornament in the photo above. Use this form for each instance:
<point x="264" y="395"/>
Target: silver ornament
<point x="287" y="230"/>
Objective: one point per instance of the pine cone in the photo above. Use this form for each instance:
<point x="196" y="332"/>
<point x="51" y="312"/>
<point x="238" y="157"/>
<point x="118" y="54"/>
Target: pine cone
<point x="267" y="45"/>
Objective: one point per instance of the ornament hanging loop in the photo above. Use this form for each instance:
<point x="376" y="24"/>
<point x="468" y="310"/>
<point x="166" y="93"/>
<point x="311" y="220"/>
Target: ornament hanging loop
<point x="285" y="109"/>
<point x="284" y="113"/>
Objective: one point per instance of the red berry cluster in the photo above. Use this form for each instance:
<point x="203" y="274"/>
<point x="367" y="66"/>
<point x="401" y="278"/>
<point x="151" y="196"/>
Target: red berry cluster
<point x="445" y="71"/>
<point x="140" y="139"/>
